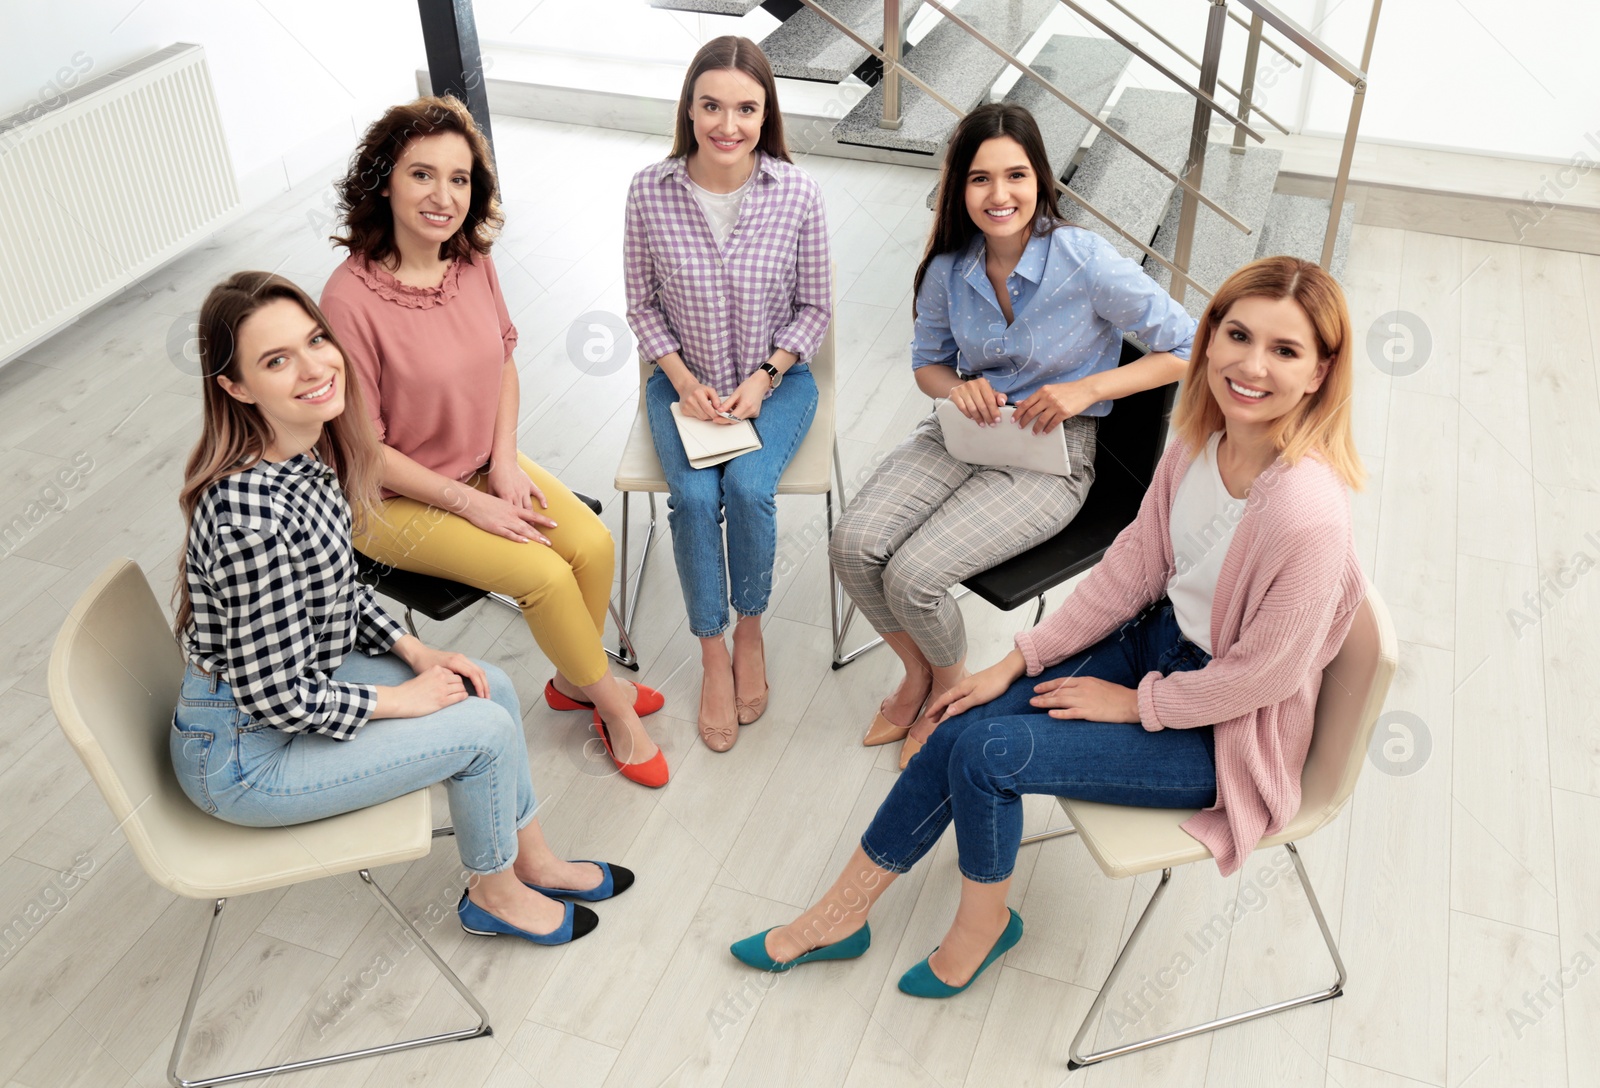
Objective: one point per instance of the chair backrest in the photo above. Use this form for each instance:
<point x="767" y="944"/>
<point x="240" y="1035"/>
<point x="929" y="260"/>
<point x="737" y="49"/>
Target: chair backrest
<point x="1132" y="438"/>
<point x="1354" y="686"/>
<point x="114" y="678"/>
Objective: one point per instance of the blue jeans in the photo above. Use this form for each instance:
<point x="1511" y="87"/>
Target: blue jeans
<point x="977" y="765"/>
<point x="745" y="487"/>
<point x="246" y="772"/>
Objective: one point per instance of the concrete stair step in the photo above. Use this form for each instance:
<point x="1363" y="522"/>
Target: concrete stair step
<point x="709" y="7"/>
<point x="959" y="67"/>
<point x="1117" y="181"/>
<point x="1242" y="184"/>
<point x="1087" y="70"/>
<point x="807" y="46"/>
<point x="1295" y="226"/>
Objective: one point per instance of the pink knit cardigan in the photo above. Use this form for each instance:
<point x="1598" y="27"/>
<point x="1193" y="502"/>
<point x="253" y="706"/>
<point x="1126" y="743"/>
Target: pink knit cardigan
<point x="1288" y="591"/>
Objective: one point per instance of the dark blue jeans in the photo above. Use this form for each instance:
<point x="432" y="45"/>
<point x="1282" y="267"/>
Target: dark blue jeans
<point x="977" y="765"/>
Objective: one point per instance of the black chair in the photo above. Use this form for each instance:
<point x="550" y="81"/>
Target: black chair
<point x="440" y="598"/>
<point x="1129" y="445"/>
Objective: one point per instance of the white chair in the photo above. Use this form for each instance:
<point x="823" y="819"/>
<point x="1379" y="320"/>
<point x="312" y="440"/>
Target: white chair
<point x="1126" y="841"/>
<point x="114" y="678"/>
<point x="814" y="471"/>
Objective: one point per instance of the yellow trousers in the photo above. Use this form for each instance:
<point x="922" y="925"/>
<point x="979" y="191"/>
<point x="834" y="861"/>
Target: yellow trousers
<point x="563" y="588"/>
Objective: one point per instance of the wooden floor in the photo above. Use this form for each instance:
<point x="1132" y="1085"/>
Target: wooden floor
<point x="1461" y="882"/>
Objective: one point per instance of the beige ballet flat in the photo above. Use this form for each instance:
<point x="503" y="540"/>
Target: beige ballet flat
<point x="748" y="713"/>
<point x="717" y="737"/>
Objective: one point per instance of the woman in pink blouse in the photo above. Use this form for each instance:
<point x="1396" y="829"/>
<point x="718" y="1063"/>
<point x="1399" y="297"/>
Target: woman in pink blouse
<point x="1182" y="673"/>
<point x="418" y="308"/>
<point x="729" y="291"/>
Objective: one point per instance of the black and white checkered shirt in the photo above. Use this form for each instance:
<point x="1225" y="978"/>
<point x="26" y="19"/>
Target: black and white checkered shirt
<point x="272" y="578"/>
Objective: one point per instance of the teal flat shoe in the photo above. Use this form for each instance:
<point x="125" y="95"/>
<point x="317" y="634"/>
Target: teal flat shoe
<point x="920" y="981"/>
<point x="753" y="950"/>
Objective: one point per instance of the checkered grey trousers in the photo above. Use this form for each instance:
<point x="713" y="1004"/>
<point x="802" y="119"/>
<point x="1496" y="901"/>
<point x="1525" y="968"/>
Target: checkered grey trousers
<point x="925" y="521"/>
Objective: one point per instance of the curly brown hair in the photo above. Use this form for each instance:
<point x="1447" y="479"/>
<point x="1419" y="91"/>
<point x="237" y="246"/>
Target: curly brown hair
<point x="363" y="209"/>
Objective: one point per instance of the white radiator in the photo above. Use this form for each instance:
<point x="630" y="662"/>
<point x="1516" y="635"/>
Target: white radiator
<point x="122" y="176"/>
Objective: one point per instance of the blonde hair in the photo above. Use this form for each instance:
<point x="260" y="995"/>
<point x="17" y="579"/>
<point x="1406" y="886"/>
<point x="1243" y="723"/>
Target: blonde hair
<point x="234" y="435"/>
<point x="1320" y="424"/>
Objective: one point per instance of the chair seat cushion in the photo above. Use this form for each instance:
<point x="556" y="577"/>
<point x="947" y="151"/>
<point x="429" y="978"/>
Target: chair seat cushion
<point x="436" y="598"/>
<point x="808" y="473"/>
<point x="1067" y="554"/>
<point x="200" y="856"/>
<point x="1127" y="841"/>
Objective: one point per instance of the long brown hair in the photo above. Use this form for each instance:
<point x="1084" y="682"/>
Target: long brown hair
<point x="363" y="209"/>
<point x="234" y="435"/>
<point x="1320" y="424"/>
<point x="742" y="55"/>
<point x="953" y="228"/>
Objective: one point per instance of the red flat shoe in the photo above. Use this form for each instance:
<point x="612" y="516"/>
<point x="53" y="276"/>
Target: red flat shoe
<point x="652" y="772"/>
<point x="645" y="700"/>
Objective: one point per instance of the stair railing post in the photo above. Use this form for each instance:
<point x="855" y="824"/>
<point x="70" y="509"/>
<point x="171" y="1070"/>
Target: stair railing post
<point x="1341" y="181"/>
<point x="1247" y="82"/>
<point x="891" y="67"/>
<point x="1199" y="134"/>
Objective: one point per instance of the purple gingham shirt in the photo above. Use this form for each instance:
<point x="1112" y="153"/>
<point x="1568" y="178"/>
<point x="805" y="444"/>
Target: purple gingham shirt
<point x="726" y="309"/>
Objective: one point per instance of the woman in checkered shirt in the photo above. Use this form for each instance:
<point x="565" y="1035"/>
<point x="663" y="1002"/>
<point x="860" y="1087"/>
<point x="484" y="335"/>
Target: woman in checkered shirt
<point x="278" y="722"/>
<point x="729" y="292"/>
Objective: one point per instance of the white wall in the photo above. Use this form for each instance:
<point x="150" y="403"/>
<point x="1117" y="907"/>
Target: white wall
<point x="1486" y="75"/>
<point x="295" y="79"/>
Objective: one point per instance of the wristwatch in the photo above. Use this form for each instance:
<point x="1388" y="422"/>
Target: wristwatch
<point x="773" y="374"/>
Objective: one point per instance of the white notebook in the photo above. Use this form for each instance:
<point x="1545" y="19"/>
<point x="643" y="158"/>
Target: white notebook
<point x="709" y="443"/>
<point x="1005" y="445"/>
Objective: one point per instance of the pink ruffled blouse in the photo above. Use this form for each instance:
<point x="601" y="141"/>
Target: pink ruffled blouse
<point x="428" y="358"/>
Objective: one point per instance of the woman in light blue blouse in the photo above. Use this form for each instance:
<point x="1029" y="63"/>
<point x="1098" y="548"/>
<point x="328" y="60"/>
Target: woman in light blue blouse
<point x="1013" y="306"/>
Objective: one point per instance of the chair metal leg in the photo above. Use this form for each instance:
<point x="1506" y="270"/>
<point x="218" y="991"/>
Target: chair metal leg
<point x="1076" y="1059"/>
<point x="482" y="1027"/>
<point x="446" y="830"/>
<point x="1029" y="840"/>
<point x="626" y="610"/>
<point x="625" y="656"/>
<point x="1038" y="613"/>
<point x="411" y="623"/>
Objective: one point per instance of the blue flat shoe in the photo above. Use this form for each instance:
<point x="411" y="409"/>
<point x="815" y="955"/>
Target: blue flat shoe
<point x="614" y="880"/>
<point x="753" y="950"/>
<point x="920" y="981"/>
<point x="577" y="922"/>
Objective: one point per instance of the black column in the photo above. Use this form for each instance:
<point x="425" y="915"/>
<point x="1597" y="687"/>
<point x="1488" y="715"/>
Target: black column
<point x="450" y="34"/>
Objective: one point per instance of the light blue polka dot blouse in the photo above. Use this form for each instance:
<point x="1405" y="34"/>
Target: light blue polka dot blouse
<point x="1073" y="296"/>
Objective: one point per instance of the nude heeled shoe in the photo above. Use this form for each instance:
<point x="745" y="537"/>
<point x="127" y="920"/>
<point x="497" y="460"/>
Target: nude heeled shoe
<point x="884" y="731"/>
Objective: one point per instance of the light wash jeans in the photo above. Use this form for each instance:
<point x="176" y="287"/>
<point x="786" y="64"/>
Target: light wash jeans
<point x="249" y="773"/>
<point x="977" y="765"/>
<point x="745" y="487"/>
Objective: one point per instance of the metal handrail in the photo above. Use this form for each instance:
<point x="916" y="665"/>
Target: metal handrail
<point x="1090" y="116"/>
<point x="1129" y="45"/>
<point x="1314" y="45"/>
<point x="1243" y="97"/>
<point x="1264" y="12"/>
<point x="1179" y="273"/>
<point x="1274" y="46"/>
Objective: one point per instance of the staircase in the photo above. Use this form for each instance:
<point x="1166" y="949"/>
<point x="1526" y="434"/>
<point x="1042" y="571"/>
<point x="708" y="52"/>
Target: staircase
<point x="1138" y="197"/>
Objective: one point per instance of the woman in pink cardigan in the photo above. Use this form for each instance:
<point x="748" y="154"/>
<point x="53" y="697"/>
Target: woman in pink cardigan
<point x="1182" y="673"/>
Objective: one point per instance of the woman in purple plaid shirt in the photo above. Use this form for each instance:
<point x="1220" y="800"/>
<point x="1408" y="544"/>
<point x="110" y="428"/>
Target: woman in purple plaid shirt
<point x="729" y="292"/>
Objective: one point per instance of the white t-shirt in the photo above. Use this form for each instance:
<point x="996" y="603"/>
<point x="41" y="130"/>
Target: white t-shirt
<point x="1203" y="519"/>
<point x="721" y="209"/>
